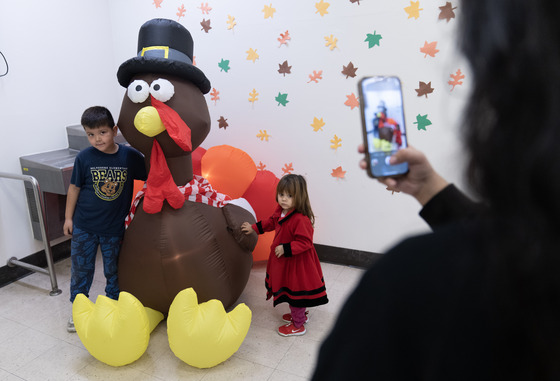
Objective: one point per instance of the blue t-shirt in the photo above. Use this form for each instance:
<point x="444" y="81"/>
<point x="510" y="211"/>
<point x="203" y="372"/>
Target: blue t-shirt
<point x="106" y="183"/>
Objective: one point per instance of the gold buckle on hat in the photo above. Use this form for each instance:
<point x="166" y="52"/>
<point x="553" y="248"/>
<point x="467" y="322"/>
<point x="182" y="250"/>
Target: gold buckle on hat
<point x="164" y="48"/>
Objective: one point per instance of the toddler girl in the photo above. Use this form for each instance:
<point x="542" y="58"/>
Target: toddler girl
<point x="293" y="271"/>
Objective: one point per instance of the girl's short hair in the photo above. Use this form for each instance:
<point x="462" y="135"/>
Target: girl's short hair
<point x="296" y="186"/>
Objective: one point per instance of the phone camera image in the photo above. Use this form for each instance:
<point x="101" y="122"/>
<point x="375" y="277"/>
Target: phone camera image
<point x="383" y="124"/>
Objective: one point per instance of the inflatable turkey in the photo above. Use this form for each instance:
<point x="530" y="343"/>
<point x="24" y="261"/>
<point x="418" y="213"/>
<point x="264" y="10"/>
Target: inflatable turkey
<point x="181" y="232"/>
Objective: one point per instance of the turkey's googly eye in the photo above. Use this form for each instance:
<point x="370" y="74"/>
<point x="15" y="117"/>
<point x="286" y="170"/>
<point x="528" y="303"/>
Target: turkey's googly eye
<point x="138" y="91"/>
<point x="162" y="89"/>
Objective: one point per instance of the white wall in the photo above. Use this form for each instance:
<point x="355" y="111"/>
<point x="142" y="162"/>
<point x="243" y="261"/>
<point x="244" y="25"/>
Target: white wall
<point x="74" y="48"/>
<point x="60" y="62"/>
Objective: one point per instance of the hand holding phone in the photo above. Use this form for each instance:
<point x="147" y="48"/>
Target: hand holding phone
<point x="383" y="124"/>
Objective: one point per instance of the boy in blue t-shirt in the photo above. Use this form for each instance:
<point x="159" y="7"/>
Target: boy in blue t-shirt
<point x="98" y="200"/>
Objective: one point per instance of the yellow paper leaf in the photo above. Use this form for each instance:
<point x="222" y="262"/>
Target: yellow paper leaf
<point x="317" y="124"/>
<point x="231" y="22"/>
<point x="268" y="11"/>
<point x="252" y="55"/>
<point x="253" y="96"/>
<point x="322" y="7"/>
<point x="263" y="135"/>
<point x="413" y="9"/>
<point x="336" y="142"/>
<point x="331" y="42"/>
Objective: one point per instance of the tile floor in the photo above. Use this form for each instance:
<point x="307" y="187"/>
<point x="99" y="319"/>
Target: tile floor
<point x="34" y="344"/>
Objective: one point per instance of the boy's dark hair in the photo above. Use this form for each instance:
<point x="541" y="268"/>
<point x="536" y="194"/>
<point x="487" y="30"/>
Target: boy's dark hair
<point x="97" y="116"/>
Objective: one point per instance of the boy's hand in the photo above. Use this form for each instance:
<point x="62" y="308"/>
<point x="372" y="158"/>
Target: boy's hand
<point x="246" y="228"/>
<point x="279" y="251"/>
<point x="68" y="227"/>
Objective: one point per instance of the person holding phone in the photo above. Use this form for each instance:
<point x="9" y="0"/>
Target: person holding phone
<point x="479" y="297"/>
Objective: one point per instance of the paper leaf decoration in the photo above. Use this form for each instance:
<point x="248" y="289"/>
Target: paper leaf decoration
<point x="282" y="99"/>
<point x="413" y="9"/>
<point x="224" y="65"/>
<point x="424" y="89"/>
<point x="446" y="12"/>
<point x="263" y="135"/>
<point x="252" y="55"/>
<point x="352" y="101"/>
<point x="268" y="11"/>
<point x="288" y="168"/>
<point x="214" y="95"/>
<point x="157" y="3"/>
<point x="349" y="70"/>
<point x="205" y="25"/>
<point x="284" y="37"/>
<point x="422" y="121"/>
<point x="261" y="166"/>
<point x="253" y="96"/>
<point x="457" y="77"/>
<point x="284" y="68"/>
<point x="338" y="173"/>
<point x="317" y="124"/>
<point x="316" y="76"/>
<point x="204" y="8"/>
<point x="222" y="123"/>
<point x="230" y="22"/>
<point x="181" y="12"/>
<point x="322" y="7"/>
<point x="373" y="39"/>
<point x="336" y="142"/>
<point x="429" y="49"/>
<point x="331" y="42"/>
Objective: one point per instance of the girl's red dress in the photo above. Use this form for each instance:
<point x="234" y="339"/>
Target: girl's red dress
<point x="296" y="277"/>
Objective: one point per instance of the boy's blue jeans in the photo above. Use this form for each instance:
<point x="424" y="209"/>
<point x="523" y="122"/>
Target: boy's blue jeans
<point x="83" y="252"/>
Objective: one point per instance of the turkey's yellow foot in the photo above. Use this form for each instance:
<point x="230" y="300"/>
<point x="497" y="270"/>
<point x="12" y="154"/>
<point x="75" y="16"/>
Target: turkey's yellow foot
<point x="114" y="332"/>
<point x="204" y="335"/>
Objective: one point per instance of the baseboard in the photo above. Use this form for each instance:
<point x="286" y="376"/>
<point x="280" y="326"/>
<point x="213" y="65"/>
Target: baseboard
<point x="347" y="257"/>
<point x="331" y="254"/>
<point x="11" y="274"/>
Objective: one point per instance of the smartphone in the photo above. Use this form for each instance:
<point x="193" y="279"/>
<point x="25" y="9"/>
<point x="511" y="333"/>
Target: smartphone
<point x="383" y="125"/>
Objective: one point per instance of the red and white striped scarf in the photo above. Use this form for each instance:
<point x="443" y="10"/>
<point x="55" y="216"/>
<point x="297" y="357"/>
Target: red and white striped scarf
<point x="197" y="190"/>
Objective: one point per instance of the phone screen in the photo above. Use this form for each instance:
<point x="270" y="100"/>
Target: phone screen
<point x="383" y="124"/>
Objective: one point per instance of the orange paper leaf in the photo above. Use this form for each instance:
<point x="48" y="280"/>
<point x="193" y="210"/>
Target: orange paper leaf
<point x="261" y="166"/>
<point x="181" y="12"/>
<point x="288" y="168"/>
<point x="338" y="173"/>
<point x="429" y="49"/>
<point x="204" y="8"/>
<point x="316" y="76"/>
<point x="214" y="95"/>
<point x="284" y="37"/>
<point x="457" y="77"/>
<point x="352" y="101"/>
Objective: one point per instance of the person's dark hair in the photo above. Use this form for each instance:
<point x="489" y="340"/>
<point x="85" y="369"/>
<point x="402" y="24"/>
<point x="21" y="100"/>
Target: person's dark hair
<point x="97" y="116"/>
<point x="296" y="186"/>
<point x="512" y="134"/>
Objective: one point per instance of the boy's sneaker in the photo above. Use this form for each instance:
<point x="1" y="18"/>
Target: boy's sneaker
<point x="70" y="325"/>
<point x="288" y="317"/>
<point x="291" y="330"/>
